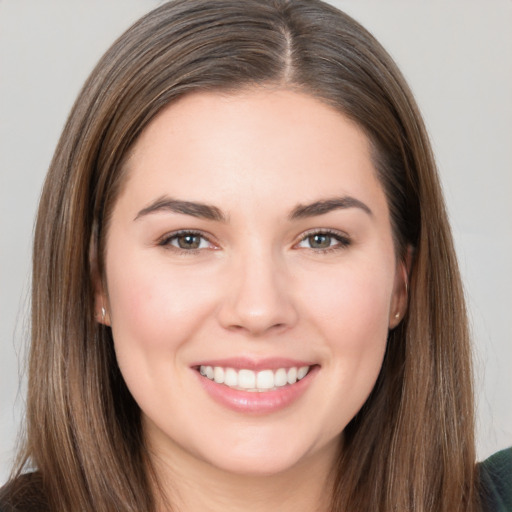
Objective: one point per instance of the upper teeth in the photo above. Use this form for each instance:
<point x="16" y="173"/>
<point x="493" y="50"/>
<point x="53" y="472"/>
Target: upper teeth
<point x="249" y="380"/>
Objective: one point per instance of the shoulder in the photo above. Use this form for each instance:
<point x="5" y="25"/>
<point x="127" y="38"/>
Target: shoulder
<point x="23" y="494"/>
<point x="496" y="482"/>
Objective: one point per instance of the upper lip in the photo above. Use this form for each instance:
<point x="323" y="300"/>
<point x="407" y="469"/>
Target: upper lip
<point x="247" y="363"/>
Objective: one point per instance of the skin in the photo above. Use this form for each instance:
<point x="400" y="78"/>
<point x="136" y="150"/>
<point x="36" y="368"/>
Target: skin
<point x="256" y="287"/>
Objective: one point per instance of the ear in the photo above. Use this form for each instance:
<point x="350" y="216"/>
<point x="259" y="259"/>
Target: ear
<point x="400" y="297"/>
<point x="101" y="309"/>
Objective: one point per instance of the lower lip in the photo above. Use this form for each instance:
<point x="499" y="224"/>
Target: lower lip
<point x="263" y="402"/>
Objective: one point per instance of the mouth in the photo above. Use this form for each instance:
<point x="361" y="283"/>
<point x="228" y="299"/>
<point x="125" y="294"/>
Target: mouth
<point x="256" y="387"/>
<point x="245" y="379"/>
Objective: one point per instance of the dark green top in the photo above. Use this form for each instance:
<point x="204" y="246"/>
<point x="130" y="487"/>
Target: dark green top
<point x="496" y="482"/>
<point x="495" y="488"/>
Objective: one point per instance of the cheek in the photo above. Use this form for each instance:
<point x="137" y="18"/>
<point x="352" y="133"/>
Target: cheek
<point x="154" y="309"/>
<point x="155" y="312"/>
<point x="351" y="304"/>
<point x="350" y="312"/>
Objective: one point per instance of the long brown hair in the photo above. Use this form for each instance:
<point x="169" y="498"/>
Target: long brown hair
<point x="411" y="446"/>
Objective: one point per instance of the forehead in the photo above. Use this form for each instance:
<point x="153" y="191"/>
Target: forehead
<point x="258" y="143"/>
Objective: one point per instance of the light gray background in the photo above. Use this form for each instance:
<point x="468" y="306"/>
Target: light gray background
<point x="457" y="56"/>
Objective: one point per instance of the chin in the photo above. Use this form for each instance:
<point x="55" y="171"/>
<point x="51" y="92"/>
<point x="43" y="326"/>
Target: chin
<point x="257" y="465"/>
<point x="262" y="457"/>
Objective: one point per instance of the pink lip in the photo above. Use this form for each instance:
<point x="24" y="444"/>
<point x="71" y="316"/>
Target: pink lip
<point x="239" y="363"/>
<point x="257" y="402"/>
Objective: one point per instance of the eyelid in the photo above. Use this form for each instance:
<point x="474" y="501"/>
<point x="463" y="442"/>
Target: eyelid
<point x="343" y="238"/>
<point x="164" y="240"/>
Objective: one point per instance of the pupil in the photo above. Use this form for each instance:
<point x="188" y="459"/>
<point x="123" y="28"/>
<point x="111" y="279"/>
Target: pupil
<point x="320" y="241"/>
<point x="188" y="242"/>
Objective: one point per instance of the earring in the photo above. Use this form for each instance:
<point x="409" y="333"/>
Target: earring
<point x="103" y="313"/>
<point x="397" y="315"/>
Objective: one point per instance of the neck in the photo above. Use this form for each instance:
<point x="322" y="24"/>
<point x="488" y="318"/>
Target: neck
<point x="189" y="485"/>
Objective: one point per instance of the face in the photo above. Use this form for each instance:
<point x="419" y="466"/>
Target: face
<point x="251" y="279"/>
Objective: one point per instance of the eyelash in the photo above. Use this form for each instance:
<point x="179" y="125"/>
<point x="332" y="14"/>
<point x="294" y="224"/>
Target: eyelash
<point x="166" y="240"/>
<point x="343" y="241"/>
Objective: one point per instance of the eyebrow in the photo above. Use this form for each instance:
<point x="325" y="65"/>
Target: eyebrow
<point x="327" y="205"/>
<point x="200" y="210"/>
<point x="210" y="212"/>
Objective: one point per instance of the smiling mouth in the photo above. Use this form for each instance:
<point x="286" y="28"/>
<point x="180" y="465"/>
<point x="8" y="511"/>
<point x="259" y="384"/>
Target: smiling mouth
<point x="254" y="381"/>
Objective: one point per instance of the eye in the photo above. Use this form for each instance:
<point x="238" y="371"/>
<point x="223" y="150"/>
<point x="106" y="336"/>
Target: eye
<point x="324" y="240"/>
<point x="186" y="241"/>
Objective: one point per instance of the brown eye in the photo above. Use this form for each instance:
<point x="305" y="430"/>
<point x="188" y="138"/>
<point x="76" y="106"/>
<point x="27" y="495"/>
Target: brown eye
<point x="186" y="241"/>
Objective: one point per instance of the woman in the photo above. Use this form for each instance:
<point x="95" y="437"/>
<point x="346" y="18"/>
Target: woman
<point x="245" y="292"/>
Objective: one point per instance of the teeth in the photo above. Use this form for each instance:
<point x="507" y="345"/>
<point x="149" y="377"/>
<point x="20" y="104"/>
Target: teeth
<point x="230" y="377"/>
<point x="292" y="375"/>
<point x="265" y="379"/>
<point x="302" y="372"/>
<point x="281" y="378"/>
<point x="249" y="380"/>
<point x="246" y="379"/>
<point x="218" y="375"/>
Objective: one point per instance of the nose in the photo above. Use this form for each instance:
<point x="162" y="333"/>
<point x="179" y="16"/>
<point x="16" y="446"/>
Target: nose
<point x="258" y="297"/>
